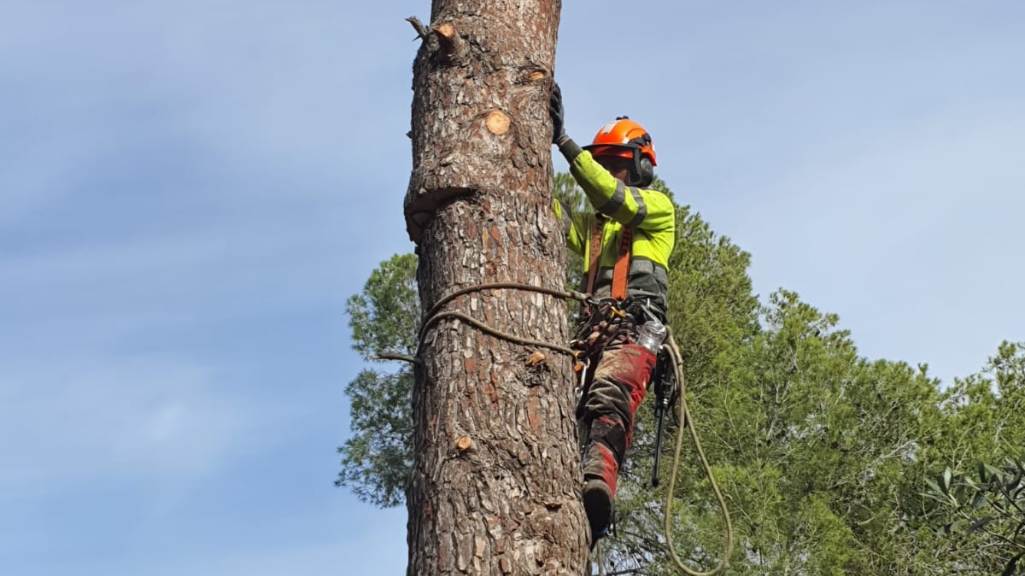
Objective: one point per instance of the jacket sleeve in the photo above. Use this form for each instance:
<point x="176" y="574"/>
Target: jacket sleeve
<point x="574" y="224"/>
<point x="643" y="209"/>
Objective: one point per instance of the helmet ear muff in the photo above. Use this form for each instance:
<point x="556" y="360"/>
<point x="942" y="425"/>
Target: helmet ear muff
<point x="643" y="172"/>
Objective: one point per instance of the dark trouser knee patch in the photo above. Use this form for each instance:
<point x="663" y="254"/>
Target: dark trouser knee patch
<point x="609" y="431"/>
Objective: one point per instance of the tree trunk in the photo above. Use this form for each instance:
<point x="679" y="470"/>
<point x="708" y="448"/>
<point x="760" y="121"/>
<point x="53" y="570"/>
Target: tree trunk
<point x="495" y="487"/>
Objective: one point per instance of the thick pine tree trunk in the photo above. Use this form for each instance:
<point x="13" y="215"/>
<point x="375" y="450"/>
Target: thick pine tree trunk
<point x="495" y="488"/>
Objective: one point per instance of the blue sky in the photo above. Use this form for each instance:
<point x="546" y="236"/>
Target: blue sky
<point x="190" y="190"/>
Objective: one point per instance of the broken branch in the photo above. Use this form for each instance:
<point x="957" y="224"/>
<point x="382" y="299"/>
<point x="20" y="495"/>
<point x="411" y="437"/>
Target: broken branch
<point x="399" y="357"/>
<point x="417" y="25"/>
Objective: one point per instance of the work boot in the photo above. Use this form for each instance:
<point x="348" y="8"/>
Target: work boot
<point x="598" y="505"/>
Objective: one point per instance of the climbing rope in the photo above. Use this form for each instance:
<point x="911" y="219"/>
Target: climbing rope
<point x="436" y="314"/>
<point x="687" y="421"/>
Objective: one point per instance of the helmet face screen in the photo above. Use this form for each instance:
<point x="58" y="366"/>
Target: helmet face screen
<point x="615" y="163"/>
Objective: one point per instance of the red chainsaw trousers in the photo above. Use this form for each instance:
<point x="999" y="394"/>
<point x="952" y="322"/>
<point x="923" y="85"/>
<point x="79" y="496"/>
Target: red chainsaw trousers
<point x="608" y="408"/>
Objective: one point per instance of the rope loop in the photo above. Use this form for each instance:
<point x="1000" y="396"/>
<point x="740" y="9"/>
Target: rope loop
<point x="436" y="314"/>
<point x="687" y="421"/>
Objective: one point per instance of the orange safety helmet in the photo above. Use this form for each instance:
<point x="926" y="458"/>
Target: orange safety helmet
<point x="620" y="138"/>
<point x="624" y="138"/>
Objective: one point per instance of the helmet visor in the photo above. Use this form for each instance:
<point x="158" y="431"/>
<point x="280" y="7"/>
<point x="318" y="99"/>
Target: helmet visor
<point x="598" y="150"/>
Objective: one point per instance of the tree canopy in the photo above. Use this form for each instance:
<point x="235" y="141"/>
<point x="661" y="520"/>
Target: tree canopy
<point x="832" y="463"/>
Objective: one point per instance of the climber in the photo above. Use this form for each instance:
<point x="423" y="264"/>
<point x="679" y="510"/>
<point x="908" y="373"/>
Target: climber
<point x="626" y="243"/>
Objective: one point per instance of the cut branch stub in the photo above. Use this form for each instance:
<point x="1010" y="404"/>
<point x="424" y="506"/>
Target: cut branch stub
<point x="464" y="443"/>
<point x="498" y="122"/>
<point x="451" y="44"/>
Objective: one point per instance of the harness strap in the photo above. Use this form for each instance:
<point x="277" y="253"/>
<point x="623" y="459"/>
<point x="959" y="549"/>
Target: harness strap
<point x="594" y="253"/>
<point x="621" y="271"/>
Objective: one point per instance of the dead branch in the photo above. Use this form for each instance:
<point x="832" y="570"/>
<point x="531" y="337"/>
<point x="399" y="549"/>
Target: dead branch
<point x="421" y="31"/>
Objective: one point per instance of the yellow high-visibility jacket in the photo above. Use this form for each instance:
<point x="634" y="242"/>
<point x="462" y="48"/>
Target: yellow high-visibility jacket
<point x="649" y="212"/>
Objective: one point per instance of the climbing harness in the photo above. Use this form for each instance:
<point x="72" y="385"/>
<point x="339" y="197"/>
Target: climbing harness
<point x="605" y="323"/>
<point x="621" y="269"/>
<point x="594" y="252"/>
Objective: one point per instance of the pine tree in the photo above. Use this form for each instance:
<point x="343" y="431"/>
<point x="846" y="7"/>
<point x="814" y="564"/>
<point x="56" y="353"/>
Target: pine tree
<point x="494" y="486"/>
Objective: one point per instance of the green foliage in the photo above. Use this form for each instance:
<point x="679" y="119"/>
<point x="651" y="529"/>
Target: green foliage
<point x="377" y="460"/>
<point x="383" y="317"/>
<point x="831" y="463"/>
<point x="976" y="490"/>
<point x="982" y="514"/>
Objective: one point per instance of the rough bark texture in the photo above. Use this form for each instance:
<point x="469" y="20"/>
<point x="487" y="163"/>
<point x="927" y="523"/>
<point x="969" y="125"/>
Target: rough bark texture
<point x="496" y="482"/>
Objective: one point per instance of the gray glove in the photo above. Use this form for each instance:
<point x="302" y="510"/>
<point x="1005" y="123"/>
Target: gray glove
<point x="558" y="114"/>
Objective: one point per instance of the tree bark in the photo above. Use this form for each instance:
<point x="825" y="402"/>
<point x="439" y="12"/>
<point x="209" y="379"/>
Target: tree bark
<point x="495" y="488"/>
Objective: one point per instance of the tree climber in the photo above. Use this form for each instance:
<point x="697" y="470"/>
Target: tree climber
<point x="626" y="243"/>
